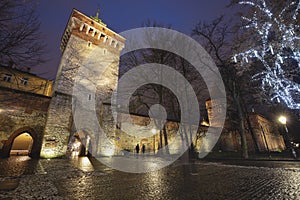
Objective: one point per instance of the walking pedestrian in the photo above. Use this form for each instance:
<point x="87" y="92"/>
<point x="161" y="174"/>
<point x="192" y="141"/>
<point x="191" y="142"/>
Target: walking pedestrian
<point x="143" y="148"/>
<point x="137" y="148"/>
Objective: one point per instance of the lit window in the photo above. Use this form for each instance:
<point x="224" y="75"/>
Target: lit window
<point x="7" y="77"/>
<point x="24" y="81"/>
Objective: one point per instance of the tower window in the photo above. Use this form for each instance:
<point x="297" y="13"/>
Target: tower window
<point x="24" y="81"/>
<point x="90" y="97"/>
<point x="112" y="43"/>
<point x="102" y="37"/>
<point x="7" y="77"/>
<point x="89" y="44"/>
<point x="82" y="27"/>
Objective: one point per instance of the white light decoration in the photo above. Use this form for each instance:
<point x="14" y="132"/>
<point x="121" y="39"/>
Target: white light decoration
<point x="278" y="46"/>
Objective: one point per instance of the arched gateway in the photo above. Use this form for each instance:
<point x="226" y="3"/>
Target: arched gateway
<point x="34" y="151"/>
<point x="82" y="143"/>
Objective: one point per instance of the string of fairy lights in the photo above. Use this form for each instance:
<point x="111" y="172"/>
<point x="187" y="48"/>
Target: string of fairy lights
<point x="278" y="50"/>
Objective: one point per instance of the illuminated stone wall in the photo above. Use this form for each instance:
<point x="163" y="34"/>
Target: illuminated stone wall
<point x="265" y="137"/>
<point x="144" y="135"/>
<point x="266" y="134"/>
<point x="22" y="111"/>
<point x="86" y="77"/>
<point x="214" y="107"/>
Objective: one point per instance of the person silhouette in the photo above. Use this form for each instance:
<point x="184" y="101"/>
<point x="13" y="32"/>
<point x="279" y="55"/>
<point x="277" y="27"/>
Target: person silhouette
<point x="143" y="148"/>
<point x="137" y="148"/>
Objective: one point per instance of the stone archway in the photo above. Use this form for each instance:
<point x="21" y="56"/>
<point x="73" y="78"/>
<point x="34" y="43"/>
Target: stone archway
<point x="147" y="145"/>
<point x="84" y="143"/>
<point x="35" y="150"/>
<point x="22" y="145"/>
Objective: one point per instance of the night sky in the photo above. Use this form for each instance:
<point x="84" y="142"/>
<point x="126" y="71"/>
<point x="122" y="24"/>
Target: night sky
<point x="120" y="15"/>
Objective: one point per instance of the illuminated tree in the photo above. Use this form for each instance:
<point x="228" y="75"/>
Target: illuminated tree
<point x="273" y="48"/>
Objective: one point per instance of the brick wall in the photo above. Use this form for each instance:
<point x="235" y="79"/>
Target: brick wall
<point x="22" y="111"/>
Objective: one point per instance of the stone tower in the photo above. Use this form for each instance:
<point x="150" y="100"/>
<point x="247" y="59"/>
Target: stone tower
<point x="214" y="109"/>
<point x="213" y="117"/>
<point x="86" y="77"/>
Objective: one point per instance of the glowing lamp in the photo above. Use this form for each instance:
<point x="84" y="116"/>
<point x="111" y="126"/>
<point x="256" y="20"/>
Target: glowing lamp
<point x="282" y="119"/>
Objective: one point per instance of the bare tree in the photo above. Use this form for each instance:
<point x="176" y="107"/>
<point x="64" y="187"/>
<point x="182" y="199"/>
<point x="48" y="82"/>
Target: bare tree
<point x="21" y="43"/>
<point x="217" y="37"/>
<point x="150" y="94"/>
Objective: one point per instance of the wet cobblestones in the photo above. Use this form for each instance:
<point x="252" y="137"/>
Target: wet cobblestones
<point x="69" y="179"/>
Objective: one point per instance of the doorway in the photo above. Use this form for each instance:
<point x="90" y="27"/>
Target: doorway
<point x="80" y="145"/>
<point x="33" y="148"/>
<point x="22" y="145"/>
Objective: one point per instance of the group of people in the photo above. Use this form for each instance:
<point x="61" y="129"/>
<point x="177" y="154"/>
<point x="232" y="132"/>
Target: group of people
<point x="137" y="148"/>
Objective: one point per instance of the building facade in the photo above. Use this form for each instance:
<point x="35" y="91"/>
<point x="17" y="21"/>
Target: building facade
<point x="262" y="135"/>
<point x="21" y="80"/>
<point x="87" y="75"/>
<point x="24" y="104"/>
<point x="78" y="116"/>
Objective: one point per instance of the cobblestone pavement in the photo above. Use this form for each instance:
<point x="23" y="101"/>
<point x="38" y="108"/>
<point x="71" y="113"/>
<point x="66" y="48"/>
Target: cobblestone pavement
<point x="89" y="179"/>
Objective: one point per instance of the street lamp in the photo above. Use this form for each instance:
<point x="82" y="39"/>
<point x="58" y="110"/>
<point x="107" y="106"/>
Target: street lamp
<point x="282" y="119"/>
<point x="153" y="131"/>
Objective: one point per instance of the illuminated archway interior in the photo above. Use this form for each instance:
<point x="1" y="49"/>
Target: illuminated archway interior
<point x="22" y="145"/>
<point x="80" y="145"/>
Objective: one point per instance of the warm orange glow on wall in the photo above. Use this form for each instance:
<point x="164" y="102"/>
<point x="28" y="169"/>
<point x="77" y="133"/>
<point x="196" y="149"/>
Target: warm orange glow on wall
<point x="22" y="144"/>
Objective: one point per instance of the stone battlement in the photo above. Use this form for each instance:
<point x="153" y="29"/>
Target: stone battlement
<point x="91" y="31"/>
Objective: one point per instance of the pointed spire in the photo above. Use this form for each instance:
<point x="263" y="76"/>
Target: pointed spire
<point x="98" y="11"/>
<point x="96" y="17"/>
